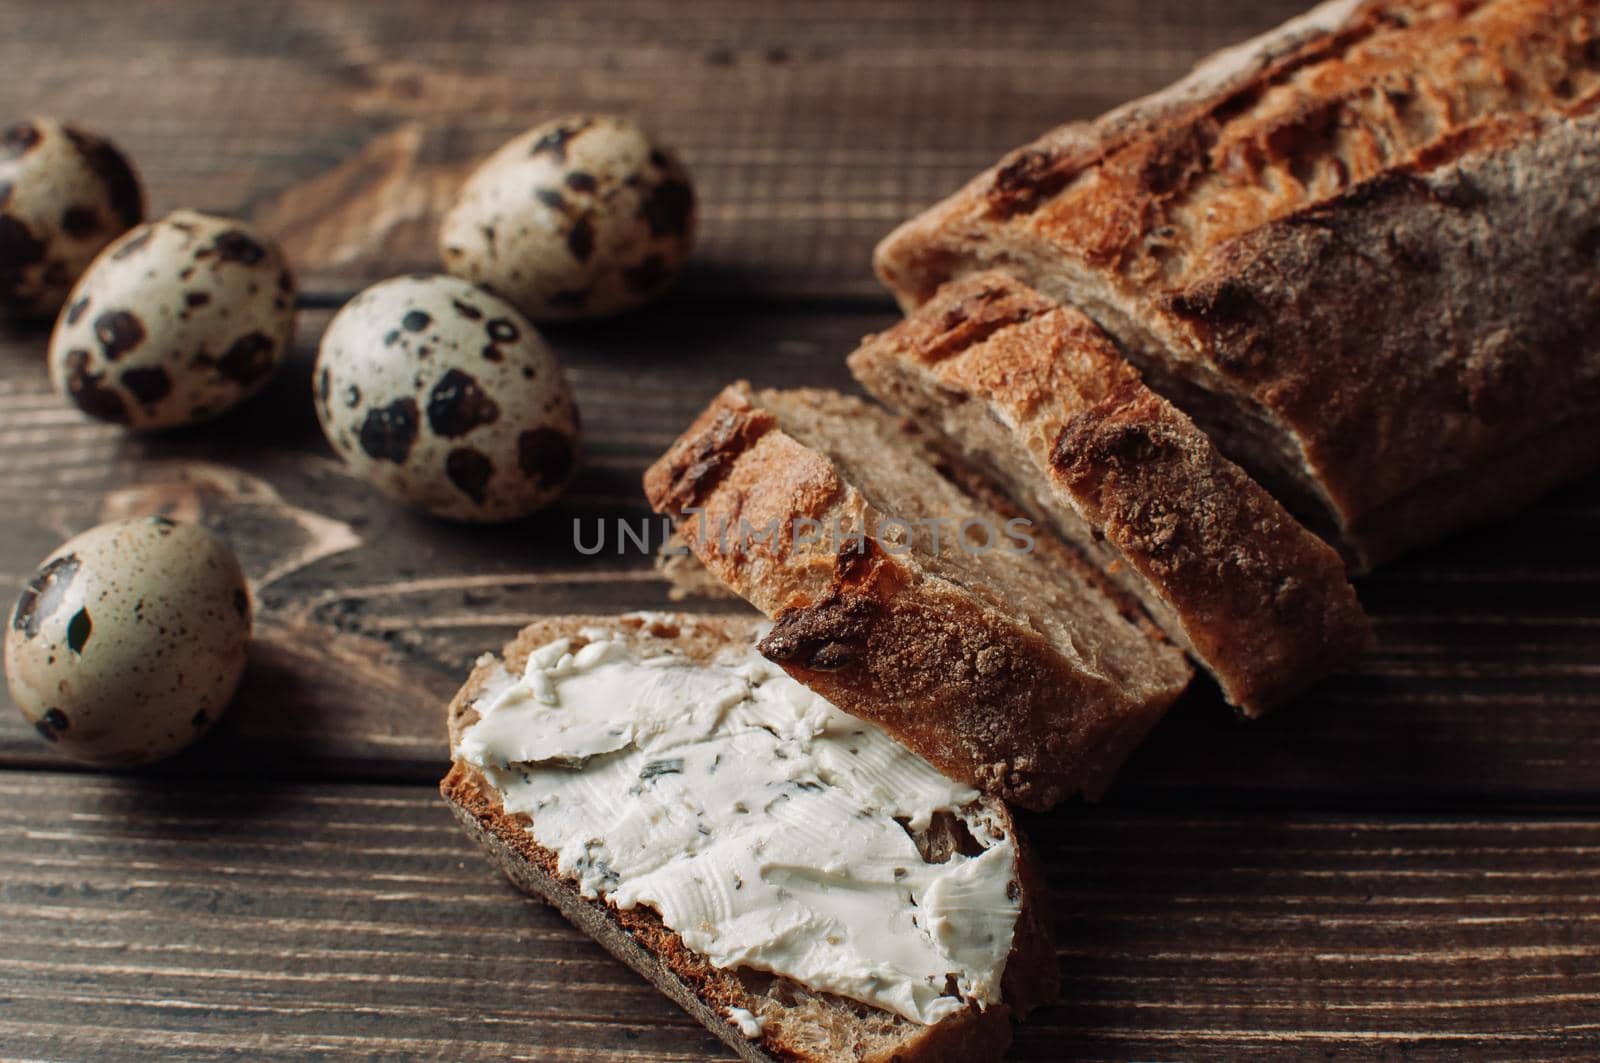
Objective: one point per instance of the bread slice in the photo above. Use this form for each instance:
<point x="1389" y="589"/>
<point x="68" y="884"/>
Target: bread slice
<point x="1011" y="669"/>
<point x="1361" y="251"/>
<point x="797" y="1023"/>
<point x="686" y="578"/>
<point x="1034" y="394"/>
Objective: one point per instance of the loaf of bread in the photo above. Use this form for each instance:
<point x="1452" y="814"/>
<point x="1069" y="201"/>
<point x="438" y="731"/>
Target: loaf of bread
<point x="1362" y="251"/>
<point x="1034" y="394"/>
<point x="763" y="1017"/>
<point x="986" y="646"/>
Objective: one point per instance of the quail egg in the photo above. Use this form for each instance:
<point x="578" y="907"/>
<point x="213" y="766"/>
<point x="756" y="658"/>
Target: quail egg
<point x="176" y="322"/>
<point x="579" y="217"/>
<point x="444" y="396"/>
<point x="64" y="194"/>
<point x="129" y="640"/>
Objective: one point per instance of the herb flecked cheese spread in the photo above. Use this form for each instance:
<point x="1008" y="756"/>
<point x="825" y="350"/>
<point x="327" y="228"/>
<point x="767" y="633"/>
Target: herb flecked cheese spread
<point x="767" y="828"/>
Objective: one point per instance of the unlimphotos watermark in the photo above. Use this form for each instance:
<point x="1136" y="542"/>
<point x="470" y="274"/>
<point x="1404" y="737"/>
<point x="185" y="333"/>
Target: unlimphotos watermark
<point x="893" y="535"/>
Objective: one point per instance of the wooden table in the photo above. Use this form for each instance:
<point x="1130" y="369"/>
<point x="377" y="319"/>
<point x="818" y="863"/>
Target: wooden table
<point x="1405" y="865"/>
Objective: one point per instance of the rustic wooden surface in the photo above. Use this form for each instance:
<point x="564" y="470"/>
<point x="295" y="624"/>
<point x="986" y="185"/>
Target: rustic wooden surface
<point x="1404" y="865"/>
<point x="279" y="920"/>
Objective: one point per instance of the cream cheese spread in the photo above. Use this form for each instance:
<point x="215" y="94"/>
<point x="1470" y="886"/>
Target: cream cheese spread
<point x="746" y="1022"/>
<point x="766" y="827"/>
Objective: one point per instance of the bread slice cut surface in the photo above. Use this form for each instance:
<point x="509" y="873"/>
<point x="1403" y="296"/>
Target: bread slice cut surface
<point x="802" y="884"/>
<point x="974" y="637"/>
<point x="1036" y="396"/>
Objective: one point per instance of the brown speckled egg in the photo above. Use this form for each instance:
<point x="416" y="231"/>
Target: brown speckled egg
<point x="579" y="217"/>
<point x="175" y="323"/>
<point x="129" y="641"/>
<point x="444" y="396"/>
<point x="64" y="195"/>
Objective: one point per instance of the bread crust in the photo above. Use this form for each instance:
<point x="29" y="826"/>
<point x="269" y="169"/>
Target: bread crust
<point x="1467" y="329"/>
<point x="638" y="937"/>
<point x="982" y="696"/>
<point x="1360" y="251"/>
<point x="1036" y="393"/>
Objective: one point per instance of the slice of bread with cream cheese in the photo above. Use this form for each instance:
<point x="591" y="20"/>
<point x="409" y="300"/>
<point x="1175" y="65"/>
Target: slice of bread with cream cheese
<point x="797" y="880"/>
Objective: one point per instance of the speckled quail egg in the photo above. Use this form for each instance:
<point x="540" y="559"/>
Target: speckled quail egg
<point x="444" y="396"/>
<point x="129" y="641"/>
<point x="579" y="217"/>
<point x="64" y="195"/>
<point x="176" y="322"/>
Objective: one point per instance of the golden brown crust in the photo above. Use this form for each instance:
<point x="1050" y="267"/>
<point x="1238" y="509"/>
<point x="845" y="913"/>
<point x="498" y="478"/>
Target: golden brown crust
<point x="1360" y="251"/>
<point x="799" y="1025"/>
<point x="733" y="464"/>
<point x="1465" y="330"/>
<point x="1018" y="383"/>
<point x="1264" y="604"/>
<point x="977" y="692"/>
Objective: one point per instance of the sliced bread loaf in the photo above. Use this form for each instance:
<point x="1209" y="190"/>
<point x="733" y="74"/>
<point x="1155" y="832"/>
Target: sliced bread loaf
<point x="1035" y="395"/>
<point x="1361" y="251"/>
<point x="978" y="640"/>
<point x="764" y="1017"/>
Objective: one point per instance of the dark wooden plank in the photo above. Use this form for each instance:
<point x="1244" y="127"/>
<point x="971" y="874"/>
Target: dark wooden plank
<point x="140" y="919"/>
<point x="812" y="129"/>
<point x="1482" y="687"/>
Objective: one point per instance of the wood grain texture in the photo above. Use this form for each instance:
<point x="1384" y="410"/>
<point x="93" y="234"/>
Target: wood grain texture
<point x="812" y="129"/>
<point x="279" y="920"/>
<point x="1402" y="866"/>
